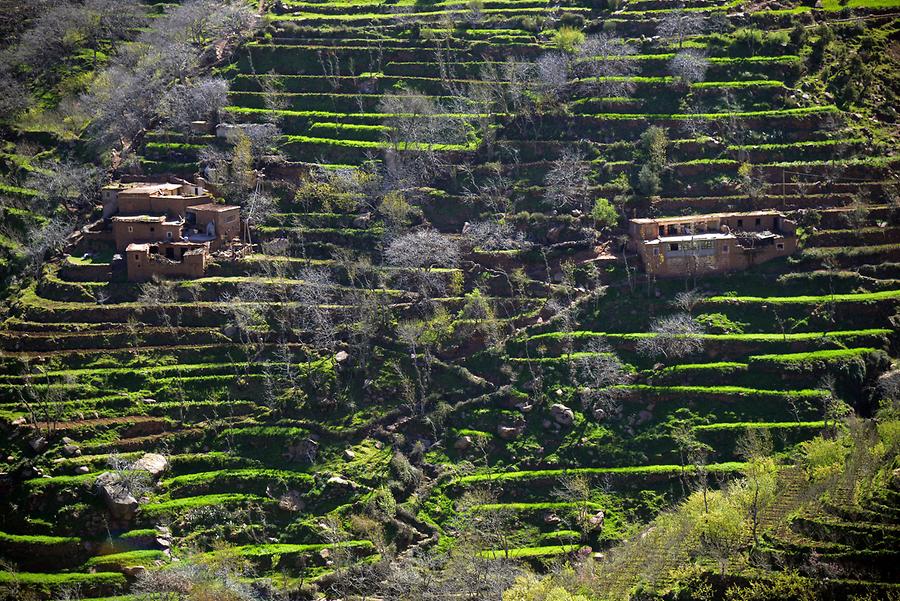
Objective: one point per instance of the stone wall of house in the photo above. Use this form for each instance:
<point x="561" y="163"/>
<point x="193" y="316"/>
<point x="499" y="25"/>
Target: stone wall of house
<point x="142" y="265"/>
<point x="128" y="232"/>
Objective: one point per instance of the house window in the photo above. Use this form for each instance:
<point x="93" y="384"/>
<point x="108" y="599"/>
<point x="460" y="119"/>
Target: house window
<point x="130" y="228"/>
<point x="655" y="252"/>
<point x="740" y="223"/>
<point x="706" y="244"/>
<point x="673" y="247"/>
<point x="758" y="221"/>
<point x="231" y="218"/>
<point x="725" y="248"/>
<point x="152" y="229"/>
<point x="168" y="235"/>
<point x="780" y="246"/>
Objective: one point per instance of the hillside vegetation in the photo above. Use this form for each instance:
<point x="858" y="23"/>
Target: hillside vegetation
<point x="442" y="372"/>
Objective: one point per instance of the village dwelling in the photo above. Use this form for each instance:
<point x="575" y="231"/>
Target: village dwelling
<point x="145" y="198"/>
<point x="166" y="259"/>
<point x="166" y="229"/>
<point x="144" y="228"/>
<point x="213" y="223"/>
<point x="709" y="244"/>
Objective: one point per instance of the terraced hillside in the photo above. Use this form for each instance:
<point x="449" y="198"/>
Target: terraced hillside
<point x="441" y="346"/>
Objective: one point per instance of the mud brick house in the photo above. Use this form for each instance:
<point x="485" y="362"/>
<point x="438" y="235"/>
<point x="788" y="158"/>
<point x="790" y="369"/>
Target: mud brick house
<point x="144" y="228"/>
<point x="714" y="243"/>
<point x="166" y="259"/>
<point x="145" y="198"/>
<point x="167" y="229"/>
<point x="213" y="223"/>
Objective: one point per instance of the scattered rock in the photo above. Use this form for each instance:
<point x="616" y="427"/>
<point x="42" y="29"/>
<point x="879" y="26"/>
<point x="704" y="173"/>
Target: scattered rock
<point x="341" y="356"/>
<point x="596" y="520"/>
<point x="291" y="501"/>
<point x="349" y="455"/>
<point x="304" y="450"/>
<point x="19" y="421"/>
<point x="558" y="392"/>
<point x="509" y="432"/>
<point x="149" y="401"/>
<point x="121" y="504"/>
<point x="463" y="443"/>
<point x="67" y="440"/>
<point x="525" y="407"/>
<point x="82" y="469"/>
<point x="38" y="444"/>
<point x="342" y="482"/>
<point x="71" y="450"/>
<point x="599" y="414"/>
<point x="154" y="463"/>
<point x="562" y="414"/>
<point x="133" y="571"/>
<point x="551" y="518"/>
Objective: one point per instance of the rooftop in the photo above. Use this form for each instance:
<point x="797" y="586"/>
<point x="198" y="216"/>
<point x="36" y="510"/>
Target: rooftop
<point x="704" y="217"/>
<point x="212" y="206"/>
<point x="694" y="238"/>
<point x="145" y="219"/>
<point x="150" y="188"/>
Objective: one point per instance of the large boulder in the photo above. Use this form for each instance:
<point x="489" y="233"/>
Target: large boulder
<point x="562" y="415"/>
<point x="463" y="443"/>
<point x="119" y="500"/>
<point x="302" y="451"/>
<point x="153" y="463"/>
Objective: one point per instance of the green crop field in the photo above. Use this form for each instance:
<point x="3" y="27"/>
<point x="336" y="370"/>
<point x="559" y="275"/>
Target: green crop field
<point x="432" y="359"/>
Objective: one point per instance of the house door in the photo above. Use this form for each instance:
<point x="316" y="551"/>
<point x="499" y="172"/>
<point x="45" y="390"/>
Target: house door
<point x="211" y="229"/>
<point x="170" y="253"/>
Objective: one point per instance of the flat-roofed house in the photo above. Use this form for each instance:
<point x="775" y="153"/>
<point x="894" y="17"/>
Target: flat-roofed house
<point x="166" y="259"/>
<point x="713" y="243"/>
<point x="145" y="228"/>
<point x="214" y="223"/>
<point x="166" y="199"/>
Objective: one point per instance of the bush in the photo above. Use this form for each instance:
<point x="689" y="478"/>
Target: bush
<point x="604" y="213"/>
<point x="568" y="39"/>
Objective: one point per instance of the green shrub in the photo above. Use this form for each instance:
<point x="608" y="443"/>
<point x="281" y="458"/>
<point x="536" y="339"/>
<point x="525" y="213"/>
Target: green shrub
<point x="568" y="39"/>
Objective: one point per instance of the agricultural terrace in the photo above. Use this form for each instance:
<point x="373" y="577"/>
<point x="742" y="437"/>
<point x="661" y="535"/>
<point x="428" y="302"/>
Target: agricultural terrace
<point x="441" y="340"/>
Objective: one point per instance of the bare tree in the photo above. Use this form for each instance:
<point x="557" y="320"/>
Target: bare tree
<point x="552" y="74"/>
<point x="689" y="66"/>
<point x="417" y="131"/>
<point x="674" y="336"/>
<point x="601" y="374"/>
<point x="493" y="235"/>
<point x="68" y="183"/>
<point x="256" y="209"/>
<point x="128" y="96"/>
<point x="607" y="61"/>
<point x="422" y="249"/>
<point x="567" y="184"/>
<point x="46" y="239"/>
<point x="159" y="296"/>
<point x="196" y="100"/>
<point x="680" y="24"/>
